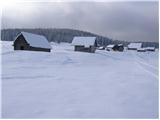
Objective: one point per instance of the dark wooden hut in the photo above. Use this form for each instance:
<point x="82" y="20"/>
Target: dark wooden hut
<point x="32" y="42"/>
<point x="118" y="47"/>
<point x="150" y="49"/>
<point x="84" y="44"/>
<point x="110" y="47"/>
<point x="141" y="50"/>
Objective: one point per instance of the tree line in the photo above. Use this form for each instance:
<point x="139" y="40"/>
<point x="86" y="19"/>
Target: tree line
<point x="65" y="35"/>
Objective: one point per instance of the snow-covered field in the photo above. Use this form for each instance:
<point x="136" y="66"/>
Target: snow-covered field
<point x="68" y="84"/>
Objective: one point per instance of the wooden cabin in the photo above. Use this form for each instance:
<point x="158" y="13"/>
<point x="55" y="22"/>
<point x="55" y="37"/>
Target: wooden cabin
<point x="150" y="48"/>
<point x="110" y="47"/>
<point x="31" y="42"/>
<point x="84" y="44"/>
<point x="117" y="47"/>
<point x="141" y="50"/>
<point x="134" y="46"/>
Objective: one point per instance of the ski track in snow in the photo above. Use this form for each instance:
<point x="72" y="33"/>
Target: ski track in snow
<point x="142" y="61"/>
<point x="146" y="66"/>
<point x="68" y="84"/>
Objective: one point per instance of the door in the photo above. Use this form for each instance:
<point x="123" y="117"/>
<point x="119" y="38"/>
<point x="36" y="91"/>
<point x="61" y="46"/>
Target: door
<point x="21" y="47"/>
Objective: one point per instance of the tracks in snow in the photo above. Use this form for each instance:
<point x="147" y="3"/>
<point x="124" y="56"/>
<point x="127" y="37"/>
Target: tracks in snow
<point x="146" y="66"/>
<point x="150" y="69"/>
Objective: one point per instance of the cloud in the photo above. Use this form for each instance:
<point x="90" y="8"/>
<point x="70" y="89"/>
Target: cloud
<point x="130" y="21"/>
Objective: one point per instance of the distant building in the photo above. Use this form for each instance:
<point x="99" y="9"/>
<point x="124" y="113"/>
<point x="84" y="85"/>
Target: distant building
<point x="32" y="42"/>
<point x="141" y="50"/>
<point x="150" y="48"/>
<point x="84" y="44"/>
<point x="117" y="47"/>
<point x="110" y="47"/>
<point x="134" y="46"/>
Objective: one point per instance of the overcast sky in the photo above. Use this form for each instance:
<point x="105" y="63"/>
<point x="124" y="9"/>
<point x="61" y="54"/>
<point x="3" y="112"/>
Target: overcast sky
<point x="130" y="21"/>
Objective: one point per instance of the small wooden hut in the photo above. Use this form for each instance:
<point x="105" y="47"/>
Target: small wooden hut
<point x="32" y="42"/>
<point x="134" y="46"/>
<point x="84" y="44"/>
<point x="141" y="50"/>
<point x="117" y="47"/>
<point x="150" y="49"/>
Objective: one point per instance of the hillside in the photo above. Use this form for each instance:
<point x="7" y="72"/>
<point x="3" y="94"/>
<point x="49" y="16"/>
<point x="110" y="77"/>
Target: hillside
<point x="65" y="35"/>
<point x="69" y="84"/>
<point x="54" y="35"/>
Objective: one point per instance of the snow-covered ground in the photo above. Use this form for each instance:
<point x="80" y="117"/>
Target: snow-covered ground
<point x="68" y="84"/>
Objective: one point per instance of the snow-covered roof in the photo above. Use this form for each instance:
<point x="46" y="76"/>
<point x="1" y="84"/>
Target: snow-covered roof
<point x="110" y="46"/>
<point x="120" y="44"/>
<point x="36" y="40"/>
<point x="101" y="47"/>
<point x="135" y="45"/>
<point x="84" y="41"/>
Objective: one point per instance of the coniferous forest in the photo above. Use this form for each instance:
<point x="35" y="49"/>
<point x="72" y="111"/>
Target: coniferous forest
<point x="66" y="35"/>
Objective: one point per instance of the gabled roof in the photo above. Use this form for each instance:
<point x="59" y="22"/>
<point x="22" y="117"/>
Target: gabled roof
<point x="35" y="40"/>
<point x="135" y="45"/>
<point x="84" y="41"/>
<point x="120" y="44"/>
<point x="101" y="47"/>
